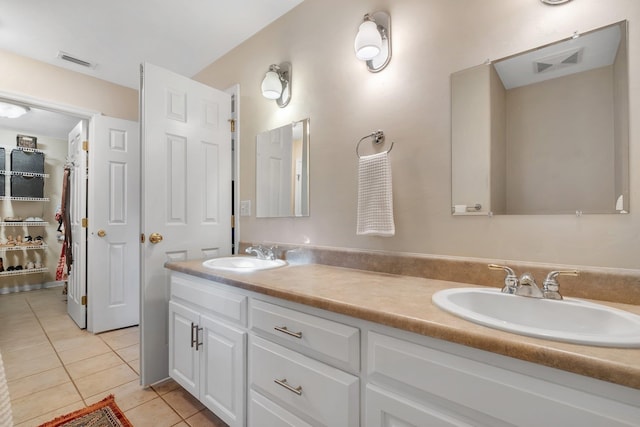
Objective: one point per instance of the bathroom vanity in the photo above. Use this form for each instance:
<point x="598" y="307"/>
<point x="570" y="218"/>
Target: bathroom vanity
<point x="316" y="345"/>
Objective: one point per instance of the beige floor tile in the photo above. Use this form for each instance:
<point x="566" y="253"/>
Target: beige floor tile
<point x="165" y="386"/>
<point x="121" y="341"/>
<point x="105" y="380"/>
<point x="118" y="332"/>
<point x="84" y="339"/>
<point x="183" y="403"/>
<point x="25" y="354"/>
<point x="205" y="418"/>
<point x="15" y="369"/>
<point x="34" y="383"/>
<point x="35" y="422"/>
<point x="44" y="401"/>
<point x="84" y="352"/>
<point x="129" y="353"/>
<point x="135" y="365"/>
<point x="181" y="424"/>
<point x="24" y="342"/>
<point x="155" y="413"/>
<point x="93" y="365"/>
<point x="127" y="395"/>
<point x="65" y="334"/>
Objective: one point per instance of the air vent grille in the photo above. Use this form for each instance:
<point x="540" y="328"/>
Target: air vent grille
<point x="70" y="58"/>
<point x="559" y="60"/>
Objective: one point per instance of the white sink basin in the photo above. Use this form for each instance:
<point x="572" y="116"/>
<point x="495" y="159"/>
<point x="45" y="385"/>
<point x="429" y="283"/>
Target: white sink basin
<point x="570" y="320"/>
<point x="243" y="263"/>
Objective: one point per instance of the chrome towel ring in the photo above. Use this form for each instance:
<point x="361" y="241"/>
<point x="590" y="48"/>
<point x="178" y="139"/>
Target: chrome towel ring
<point x="378" y="138"/>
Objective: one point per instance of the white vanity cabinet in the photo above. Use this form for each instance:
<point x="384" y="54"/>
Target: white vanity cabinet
<point x="412" y="384"/>
<point x="207" y="345"/>
<point x="294" y="375"/>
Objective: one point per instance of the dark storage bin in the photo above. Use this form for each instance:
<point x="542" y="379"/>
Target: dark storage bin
<point x="1" y="185"/>
<point x="2" y="160"/>
<point x="27" y="161"/>
<point x="27" y="186"/>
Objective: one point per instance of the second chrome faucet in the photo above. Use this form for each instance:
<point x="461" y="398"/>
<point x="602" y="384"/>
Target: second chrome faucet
<point x="526" y="285"/>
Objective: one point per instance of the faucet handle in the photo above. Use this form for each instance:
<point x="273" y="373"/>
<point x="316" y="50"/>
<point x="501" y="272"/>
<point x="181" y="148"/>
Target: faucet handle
<point x="551" y="287"/>
<point x="510" y="281"/>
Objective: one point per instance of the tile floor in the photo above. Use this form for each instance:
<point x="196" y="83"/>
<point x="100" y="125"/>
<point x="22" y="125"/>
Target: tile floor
<point x="53" y="367"/>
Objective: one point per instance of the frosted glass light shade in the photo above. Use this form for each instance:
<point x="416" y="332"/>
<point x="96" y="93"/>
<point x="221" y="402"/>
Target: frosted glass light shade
<point x="271" y="85"/>
<point x="12" y="111"/>
<point x="368" y="41"/>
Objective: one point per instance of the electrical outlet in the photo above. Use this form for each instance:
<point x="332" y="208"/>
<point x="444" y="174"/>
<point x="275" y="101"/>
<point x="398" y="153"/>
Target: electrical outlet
<point x="245" y="207"/>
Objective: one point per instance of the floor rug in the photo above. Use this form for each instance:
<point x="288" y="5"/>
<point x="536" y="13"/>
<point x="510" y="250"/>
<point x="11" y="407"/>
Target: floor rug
<point x="102" y="414"/>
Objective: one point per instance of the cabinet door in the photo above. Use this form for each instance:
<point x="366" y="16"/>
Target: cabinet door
<point x="222" y="370"/>
<point x="184" y="364"/>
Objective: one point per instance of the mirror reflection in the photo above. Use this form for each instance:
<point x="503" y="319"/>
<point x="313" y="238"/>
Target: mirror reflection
<point x="282" y="171"/>
<point x="544" y="131"/>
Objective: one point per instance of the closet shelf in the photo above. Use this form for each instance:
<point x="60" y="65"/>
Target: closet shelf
<point x="19" y="248"/>
<point x="8" y="148"/>
<point x="15" y="173"/>
<point x="24" y="272"/>
<point x="24" y="224"/>
<point x="25" y="199"/>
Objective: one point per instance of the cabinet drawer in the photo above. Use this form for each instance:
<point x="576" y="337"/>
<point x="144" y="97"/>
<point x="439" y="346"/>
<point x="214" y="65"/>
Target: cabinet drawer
<point x="265" y="413"/>
<point x="466" y="385"/>
<point x="306" y="387"/>
<point x="227" y="305"/>
<point x="337" y="342"/>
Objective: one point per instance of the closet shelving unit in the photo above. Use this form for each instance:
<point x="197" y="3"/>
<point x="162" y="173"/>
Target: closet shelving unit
<point x="18" y="225"/>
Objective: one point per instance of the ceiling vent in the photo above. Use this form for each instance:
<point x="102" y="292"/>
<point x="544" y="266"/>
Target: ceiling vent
<point x="557" y="61"/>
<point x="70" y="58"/>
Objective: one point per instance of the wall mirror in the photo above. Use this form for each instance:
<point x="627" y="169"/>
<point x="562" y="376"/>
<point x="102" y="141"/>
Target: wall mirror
<point x="545" y="131"/>
<point x="282" y="171"/>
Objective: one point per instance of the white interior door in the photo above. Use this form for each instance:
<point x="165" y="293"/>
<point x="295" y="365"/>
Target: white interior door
<point x="77" y="281"/>
<point x="114" y="224"/>
<point x="186" y="210"/>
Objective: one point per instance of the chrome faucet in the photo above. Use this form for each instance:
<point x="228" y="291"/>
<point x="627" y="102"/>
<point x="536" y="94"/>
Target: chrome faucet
<point x="526" y="285"/>
<point x="261" y="252"/>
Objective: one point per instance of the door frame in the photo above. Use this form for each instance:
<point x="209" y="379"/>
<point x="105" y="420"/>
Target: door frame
<point x="81" y="113"/>
<point x="234" y="91"/>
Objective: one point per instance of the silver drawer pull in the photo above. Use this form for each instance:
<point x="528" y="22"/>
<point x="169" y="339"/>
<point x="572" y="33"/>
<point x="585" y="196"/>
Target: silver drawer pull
<point x="284" y="330"/>
<point x="285" y="384"/>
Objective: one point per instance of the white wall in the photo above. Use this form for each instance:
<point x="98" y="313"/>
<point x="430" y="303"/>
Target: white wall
<point x="410" y="101"/>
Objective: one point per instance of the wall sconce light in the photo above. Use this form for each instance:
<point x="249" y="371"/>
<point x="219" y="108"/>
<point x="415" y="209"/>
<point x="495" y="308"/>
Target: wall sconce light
<point x="373" y="41"/>
<point x="12" y="111"/>
<point x="277" y="84"/>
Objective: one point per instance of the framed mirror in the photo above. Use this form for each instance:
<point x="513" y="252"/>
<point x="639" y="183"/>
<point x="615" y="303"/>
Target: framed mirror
<point x="545" y="131"/>
<point x="282" y="171"/>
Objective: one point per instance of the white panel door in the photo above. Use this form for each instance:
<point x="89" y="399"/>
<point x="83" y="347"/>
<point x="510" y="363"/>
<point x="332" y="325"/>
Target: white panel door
<point x="77" y="281"/>
<point x="114" y="224"/>
<point x="186" y="175"/>
<point x="274" y="161"/>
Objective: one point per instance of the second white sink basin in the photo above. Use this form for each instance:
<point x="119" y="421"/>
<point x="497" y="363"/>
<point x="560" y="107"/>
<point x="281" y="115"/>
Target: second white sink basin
<point x="243" y="263"/>
<point x="570" y="320"/>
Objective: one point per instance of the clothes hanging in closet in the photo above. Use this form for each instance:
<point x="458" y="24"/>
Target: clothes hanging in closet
<point x="66" y="256"/>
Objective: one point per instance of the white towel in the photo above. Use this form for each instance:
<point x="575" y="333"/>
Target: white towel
<point x="375" y="196"/>
<point x="5" y="401"/>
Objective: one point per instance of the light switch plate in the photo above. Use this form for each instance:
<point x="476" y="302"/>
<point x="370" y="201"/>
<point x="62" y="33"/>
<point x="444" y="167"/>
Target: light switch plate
<point x="245" y="207"/>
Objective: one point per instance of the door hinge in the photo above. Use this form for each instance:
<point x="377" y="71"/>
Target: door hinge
<point x="233" y="221"/>
<point x="142" y="238"/>
<point x="233" y="125"/>
<point x="85" y="222"/>
<point x="85" y="145"/>
<point x="84" y="300"/>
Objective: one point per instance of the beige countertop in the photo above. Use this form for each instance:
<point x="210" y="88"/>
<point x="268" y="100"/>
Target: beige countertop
<point x="404" y="302"/>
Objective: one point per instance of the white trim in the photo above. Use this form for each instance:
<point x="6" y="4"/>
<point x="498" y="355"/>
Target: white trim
<point x="49" y="105"/>
<point x="235" y="92"/>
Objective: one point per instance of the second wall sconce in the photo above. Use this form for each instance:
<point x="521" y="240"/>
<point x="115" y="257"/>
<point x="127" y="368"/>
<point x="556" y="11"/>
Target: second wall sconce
<point x="373" y="41"/>
<point x="277" y="84"/>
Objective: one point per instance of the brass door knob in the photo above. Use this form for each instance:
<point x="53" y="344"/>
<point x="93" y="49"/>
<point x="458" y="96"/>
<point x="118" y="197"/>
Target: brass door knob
<point x="102" y="233"/>
<point x="155" y="238"/>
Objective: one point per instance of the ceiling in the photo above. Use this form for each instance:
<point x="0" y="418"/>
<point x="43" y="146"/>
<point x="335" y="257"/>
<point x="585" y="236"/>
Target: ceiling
<point x="118" y="35"/>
